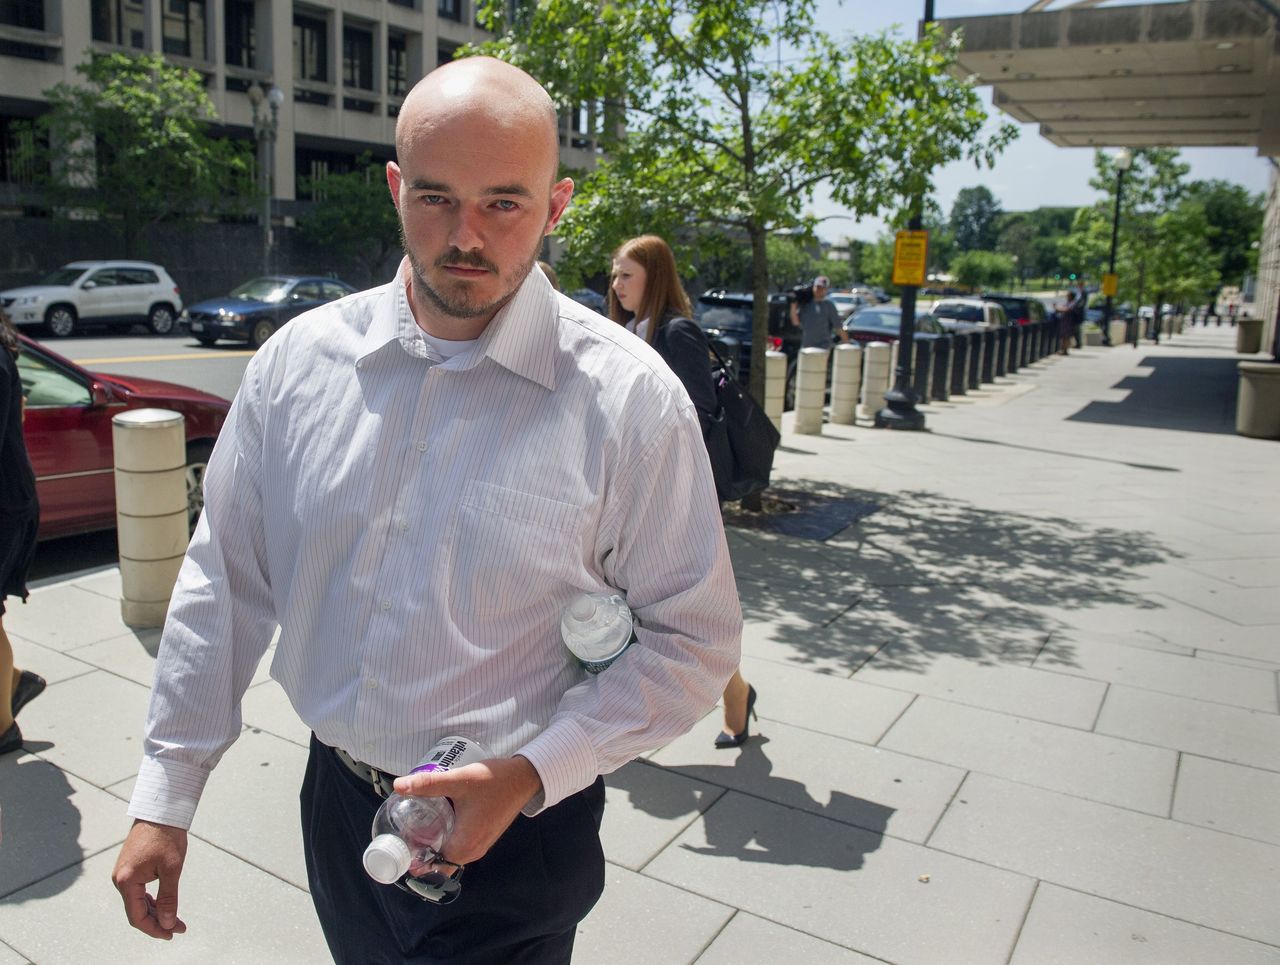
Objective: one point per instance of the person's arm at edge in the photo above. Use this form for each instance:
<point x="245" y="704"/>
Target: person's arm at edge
<point x="690" y="359"/>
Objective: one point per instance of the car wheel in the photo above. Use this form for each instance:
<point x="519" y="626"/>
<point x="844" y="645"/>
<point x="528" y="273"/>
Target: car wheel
<point x="161" y="320"/>
<point x="206" y="340"/>
<point x="197" y="459"/>
<point x="261" y="331"/>
<point x="60" y="320"/>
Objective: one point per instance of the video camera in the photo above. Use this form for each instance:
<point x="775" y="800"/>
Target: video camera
<point x="800" y="294"/>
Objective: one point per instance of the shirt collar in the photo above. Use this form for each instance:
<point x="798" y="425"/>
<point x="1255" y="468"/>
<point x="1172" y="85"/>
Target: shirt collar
<point x="520" y="338"/>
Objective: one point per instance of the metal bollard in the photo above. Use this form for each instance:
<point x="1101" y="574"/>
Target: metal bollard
<point x="811" y="388"/>
<point x="923" y="359"/>
<point x="987" y="373"/>
<point x="1002" y="351"/>
<point x="775" y="386"/>
<point x="959" y="363"/>
<point x="151" y="510"/>
<point x="846" y="383"/>
<point x="941" y="387"/>
<point x="876" y="378"/>
<point x="974" y="375"/>
<point x="1015" y="349"/>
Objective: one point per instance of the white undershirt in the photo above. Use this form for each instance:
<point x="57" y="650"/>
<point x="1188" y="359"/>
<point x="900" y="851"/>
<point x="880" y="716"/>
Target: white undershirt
<point x="640" y="328"/>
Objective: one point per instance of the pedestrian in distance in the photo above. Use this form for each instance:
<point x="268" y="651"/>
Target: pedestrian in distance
<point x="817" y="318"/>
<point x="1077" y="302"/>
<point x="19" y="519"/>
<point x="413" y="483"/>
<point x="646" y="297"/>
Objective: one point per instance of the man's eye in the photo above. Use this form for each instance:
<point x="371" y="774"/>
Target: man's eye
<point x="433" y="199"/>
<point x="505" y="205"/>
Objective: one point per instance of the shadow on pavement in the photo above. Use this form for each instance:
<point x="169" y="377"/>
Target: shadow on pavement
<point x="1196" y="394"/>
<point x="59" y="558"/>
<point x="41" y="829"/>
<point x="929" y="575"/>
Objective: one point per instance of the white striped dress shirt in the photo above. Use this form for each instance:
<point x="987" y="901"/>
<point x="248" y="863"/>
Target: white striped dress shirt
<point x="416" y="528"/>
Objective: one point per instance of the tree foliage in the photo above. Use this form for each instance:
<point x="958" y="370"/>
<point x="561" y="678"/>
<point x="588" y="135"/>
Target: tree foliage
<point x="723" y="142"/>
<point x="132" y="144"/>
<point x="1233" y="219"/>
<point x="353" y="216"/>
<point x="982" y="269"/>
<point x="975" y="218"/>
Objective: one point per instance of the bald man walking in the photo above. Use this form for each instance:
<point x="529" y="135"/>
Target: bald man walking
<point x="412" y="485"/>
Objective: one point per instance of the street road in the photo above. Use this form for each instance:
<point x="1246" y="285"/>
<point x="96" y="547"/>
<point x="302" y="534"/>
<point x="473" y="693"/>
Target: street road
<point x="176" y="358"/>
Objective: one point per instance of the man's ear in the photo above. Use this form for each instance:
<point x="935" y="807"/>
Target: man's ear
<point x="393" y="182"/>
<point x="561" y="192"/>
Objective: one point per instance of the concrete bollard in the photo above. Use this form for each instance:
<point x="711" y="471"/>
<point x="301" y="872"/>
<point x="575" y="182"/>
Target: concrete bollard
<point x="1258" y="400"/>
<point x="959" y="362"/>
<point x="811" y="388"/>
<point x="922" y="362"/>
<point x="877" y="377"/>
<point x="1014" y="362"/>
<point x="1002" y="351"/>
<point x="151" y="510"/>
<point x="775" y="387"/>
<point x="987" y="371"/>
<point x="1117" y="330"/>
<point x="846" y="383"/>
<point x="976" y="355"/>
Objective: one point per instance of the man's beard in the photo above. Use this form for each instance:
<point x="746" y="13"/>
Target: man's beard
<point x="462" y="305"/>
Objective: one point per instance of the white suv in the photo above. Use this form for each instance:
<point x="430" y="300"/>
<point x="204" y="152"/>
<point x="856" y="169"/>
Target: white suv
<point x="98" y="293"/>
<point x="968" y="314"/>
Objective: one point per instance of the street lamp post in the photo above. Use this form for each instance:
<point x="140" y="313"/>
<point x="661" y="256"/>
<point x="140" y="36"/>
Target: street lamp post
<point x="265" y="124"/>
<point x="900" y="410"/>
<point x="1123" y="161"/>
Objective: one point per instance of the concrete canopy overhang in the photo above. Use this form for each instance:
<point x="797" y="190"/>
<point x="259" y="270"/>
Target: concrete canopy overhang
<point x="1196" y="73"/>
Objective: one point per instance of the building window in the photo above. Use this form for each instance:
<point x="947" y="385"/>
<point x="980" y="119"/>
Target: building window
<point x="242" y="37"/>
<point x="444" y="52"/>
<point x="22" y="13"/>
<point x="403" y="3"/>
<point x="17" y="149"/>
<point x="310" y="48"/>
<point x="397" y="65"/>
<point x="449" y="9"/>
<point x="357" y="58"/>
<point x="120" y="22"/>
<point x="182" y="24"/>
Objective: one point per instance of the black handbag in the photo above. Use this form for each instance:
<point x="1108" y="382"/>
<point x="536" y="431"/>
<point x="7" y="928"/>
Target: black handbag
<point x="740" y="440"/>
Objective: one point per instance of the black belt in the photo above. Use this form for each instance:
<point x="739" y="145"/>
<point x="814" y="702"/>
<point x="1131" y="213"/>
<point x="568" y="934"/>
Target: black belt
<point x="380" y="781"/>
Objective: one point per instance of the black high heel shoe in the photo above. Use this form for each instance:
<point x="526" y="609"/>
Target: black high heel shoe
<point x="724" y="740"/>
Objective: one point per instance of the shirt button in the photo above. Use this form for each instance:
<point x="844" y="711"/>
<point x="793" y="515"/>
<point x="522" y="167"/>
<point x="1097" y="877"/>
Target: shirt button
<point x="368" y="750"/>
<point x="403" y="523"/>
<point x="422" y="447"/>
<point x="371" y="684"/>
<point x="386" y="604"/>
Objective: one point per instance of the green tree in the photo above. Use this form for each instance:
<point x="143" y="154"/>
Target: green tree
<point x="1233" y="219"/>
<point x="353" y="216"/>
<point x="721" y="139"/>
<point x="132" y="145"/>
<point x="974" y="219"/>
<point x="982" y="269"/>
<point x="1178" y="271"/>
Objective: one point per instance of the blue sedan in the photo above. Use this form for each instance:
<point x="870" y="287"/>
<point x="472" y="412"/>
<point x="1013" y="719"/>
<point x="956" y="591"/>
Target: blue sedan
<point x="254" y="311"/>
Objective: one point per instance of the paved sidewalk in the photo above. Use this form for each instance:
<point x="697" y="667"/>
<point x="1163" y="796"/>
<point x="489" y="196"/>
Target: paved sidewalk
<point x="1025" y="711"/>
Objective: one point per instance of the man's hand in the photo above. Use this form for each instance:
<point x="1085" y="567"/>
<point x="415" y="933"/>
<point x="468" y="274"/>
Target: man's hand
<point x="486" y="797"/>
<point x="152" y="852"/>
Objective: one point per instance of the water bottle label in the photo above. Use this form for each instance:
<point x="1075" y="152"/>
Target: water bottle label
<point x="451" y="752"/>
<point x="595" y="666"/>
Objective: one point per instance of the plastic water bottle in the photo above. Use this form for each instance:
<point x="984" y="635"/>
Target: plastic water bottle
<point x="409" y="832"/>
<point x="597" y="627"/>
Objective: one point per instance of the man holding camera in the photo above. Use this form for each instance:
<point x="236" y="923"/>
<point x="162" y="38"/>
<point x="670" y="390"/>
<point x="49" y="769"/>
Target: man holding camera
<point x="817" y="317"/>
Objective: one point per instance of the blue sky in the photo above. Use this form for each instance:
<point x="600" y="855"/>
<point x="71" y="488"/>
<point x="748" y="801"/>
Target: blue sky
<point x="1032" y="172"/>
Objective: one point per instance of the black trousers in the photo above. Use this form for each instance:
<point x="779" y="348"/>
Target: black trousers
<point x="520" y="904"/>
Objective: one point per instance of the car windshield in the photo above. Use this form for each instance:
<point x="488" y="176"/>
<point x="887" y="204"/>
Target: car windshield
<point x="961" y="313"/>
<point x="872" y="319"/>
<point x="263" y="290"/>
<point x="724" y="316"/>
<point x="63" y="276"/>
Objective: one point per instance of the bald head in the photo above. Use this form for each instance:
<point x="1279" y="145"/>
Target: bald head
<point x="506" y="99"/>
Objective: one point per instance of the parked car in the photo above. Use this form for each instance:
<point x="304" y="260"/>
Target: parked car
<point x="967" y="314"/>
<point x="1020" y="309"/>
<point x="847" y="303"/>
<point x="68" y="435"/>
<point x="883" y="323"/>
<point x="85" y="293"/>
<point x="592" y="299"/>
<point x="254" y="311"/>
<point x="726" y="318"/>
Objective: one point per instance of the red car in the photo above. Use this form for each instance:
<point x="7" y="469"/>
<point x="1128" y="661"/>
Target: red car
<point x="68" y="435"/>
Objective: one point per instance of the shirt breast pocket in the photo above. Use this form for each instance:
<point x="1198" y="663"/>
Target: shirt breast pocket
<point x="512" y="552"/>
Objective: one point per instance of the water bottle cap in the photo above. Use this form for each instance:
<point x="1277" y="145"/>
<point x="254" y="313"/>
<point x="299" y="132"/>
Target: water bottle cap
<point x="584" y="608"/>
<point x="386" y="858"/>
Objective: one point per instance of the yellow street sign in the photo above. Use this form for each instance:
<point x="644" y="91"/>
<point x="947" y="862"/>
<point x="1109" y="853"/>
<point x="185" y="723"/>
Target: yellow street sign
<point x="910" y="257"/>
<point x="1110" y="285"/>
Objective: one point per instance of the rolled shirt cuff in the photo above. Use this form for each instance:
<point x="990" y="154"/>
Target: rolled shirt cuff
<point x="565" y="761"/>
<point x="167" y="793"/>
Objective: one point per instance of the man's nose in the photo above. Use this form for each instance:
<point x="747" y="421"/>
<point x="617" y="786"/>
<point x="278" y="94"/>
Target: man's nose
<point x="465" y="233"/>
